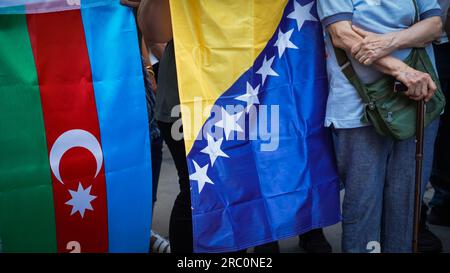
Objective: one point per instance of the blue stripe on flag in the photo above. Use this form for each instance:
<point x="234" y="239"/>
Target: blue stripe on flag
<point x="113" y="47"/>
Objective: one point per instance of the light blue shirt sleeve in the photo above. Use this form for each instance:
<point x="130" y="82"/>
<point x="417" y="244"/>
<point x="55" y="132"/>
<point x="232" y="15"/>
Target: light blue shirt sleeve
<point x="428" y="8"/>
<point x="332" y="11"/>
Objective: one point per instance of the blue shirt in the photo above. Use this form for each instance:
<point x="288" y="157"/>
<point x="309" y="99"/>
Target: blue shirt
<point x="345" y="107"/>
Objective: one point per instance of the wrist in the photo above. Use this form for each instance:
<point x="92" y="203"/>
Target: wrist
<point x="397" y="40"/>
<point x="398" y="69"/>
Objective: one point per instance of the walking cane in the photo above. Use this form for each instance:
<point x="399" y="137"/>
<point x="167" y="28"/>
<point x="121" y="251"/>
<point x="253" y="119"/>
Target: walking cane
<point x="420" y="124"/>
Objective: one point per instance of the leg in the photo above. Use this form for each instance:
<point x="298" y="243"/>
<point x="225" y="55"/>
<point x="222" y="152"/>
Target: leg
<point x="361" y="155"/>
<point x="314" y="241"/>
<point x="157" y="144"/>
<point x="398" y="206"/>
<point x="180" y="227"/>
<point x="440" y="179"/>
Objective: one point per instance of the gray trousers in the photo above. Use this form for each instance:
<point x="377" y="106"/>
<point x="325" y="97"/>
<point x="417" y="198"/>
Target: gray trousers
<point x="378" y="175"/>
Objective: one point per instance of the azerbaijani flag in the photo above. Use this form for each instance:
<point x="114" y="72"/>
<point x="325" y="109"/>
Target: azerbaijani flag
<point x="75" y="173"/>
<point x="253" y="88"/>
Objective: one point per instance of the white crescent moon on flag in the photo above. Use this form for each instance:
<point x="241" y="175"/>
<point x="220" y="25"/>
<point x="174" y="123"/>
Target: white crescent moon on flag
<point x="72" y="139"/>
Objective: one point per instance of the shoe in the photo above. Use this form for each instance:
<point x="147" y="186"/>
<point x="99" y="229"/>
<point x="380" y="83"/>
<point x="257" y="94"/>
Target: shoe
<point x="158" y="244"/>
<point x="267" y="248"/>
<point x="427" y="241"/>
<point x="440" y="216"/>
<point x="314" y="241"/>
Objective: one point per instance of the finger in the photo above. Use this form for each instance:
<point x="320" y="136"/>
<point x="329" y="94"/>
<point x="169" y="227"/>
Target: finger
<point x="422" y="89"/>
<point x="411" y="91"/>
<point x="413" y="96"/>
<point x="417" y="90"/>
<point x="371" y="58"/>
<point x="369" y="61"/>
<point x="360" y="31"/>
<point x="355" y="49"/>
<point x="363" y="59"/>
<point x="360" y="54"/>
<point x="431" y="86"/>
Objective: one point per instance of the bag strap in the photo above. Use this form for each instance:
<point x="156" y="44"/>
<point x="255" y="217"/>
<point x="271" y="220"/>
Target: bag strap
<point x="417" y="15"/>
<point x="348" y="70"/>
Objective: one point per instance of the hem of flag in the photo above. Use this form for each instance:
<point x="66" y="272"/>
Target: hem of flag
<point x="297" y="227"/>
<point x="281" y="237"/>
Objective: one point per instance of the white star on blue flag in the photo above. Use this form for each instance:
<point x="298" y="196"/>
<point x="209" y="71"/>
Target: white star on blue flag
<point x="302" y="14"/>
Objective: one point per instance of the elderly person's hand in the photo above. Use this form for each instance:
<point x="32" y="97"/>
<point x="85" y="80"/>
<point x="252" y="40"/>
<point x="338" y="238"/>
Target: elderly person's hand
<point x="420" y="85"/>
<point x="373" y="46"/>
<point x="130" y="3"/>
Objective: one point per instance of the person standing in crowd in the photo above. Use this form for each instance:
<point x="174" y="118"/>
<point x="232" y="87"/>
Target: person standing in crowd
<point x="440" y="176"/>
<point x="440" y="179"/>
<point x="157" y="242"/>
<point x="155" y="22"/>
<point x="377" y="171"/>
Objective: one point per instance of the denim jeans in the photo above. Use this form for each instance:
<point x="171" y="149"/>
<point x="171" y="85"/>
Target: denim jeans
<point x="379" y="175"/>
<point x="440" y="178"/>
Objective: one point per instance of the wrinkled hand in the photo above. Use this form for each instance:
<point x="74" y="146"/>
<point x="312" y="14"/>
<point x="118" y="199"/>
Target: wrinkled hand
<point x="420" y="85"/>
<point x="372" y="47"/>
<point x="130" y="3"/>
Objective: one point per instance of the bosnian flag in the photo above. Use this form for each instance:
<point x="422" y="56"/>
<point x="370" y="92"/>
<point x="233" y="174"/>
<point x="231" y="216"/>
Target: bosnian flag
<point x="75" y="173"/>
<point x="253" y="88"/>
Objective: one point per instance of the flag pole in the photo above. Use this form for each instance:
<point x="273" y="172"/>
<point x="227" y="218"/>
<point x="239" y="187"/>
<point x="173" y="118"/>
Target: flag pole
<point x="420" y="124"/>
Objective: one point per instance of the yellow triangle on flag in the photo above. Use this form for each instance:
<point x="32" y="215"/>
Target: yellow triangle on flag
<point x="216" y="41"/>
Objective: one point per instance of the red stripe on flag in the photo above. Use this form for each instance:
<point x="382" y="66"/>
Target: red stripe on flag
<point x="68" y="104"/>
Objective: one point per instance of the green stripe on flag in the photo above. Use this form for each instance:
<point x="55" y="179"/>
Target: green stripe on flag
<point x="27" y="220"/>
